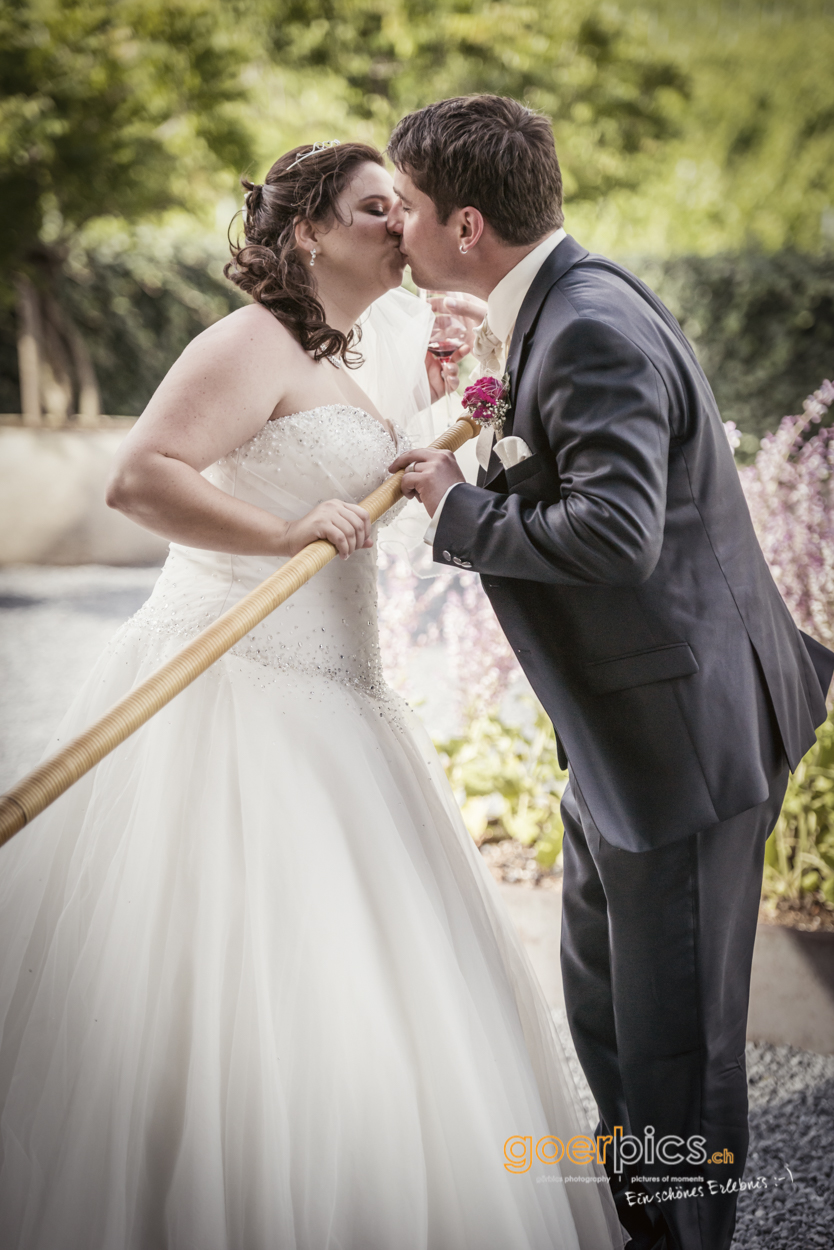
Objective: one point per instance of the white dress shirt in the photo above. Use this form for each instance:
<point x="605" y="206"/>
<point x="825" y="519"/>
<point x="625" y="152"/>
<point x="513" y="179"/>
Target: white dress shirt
<point x="503" y="307"/>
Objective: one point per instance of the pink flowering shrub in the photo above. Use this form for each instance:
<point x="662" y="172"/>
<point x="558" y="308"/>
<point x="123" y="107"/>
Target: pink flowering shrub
<point x="480" y="658"/>
<point x="790" y="492"/>
<point x="452" y="609"/>
<point x="409" y="608"/>
<point x="506" y="777"/>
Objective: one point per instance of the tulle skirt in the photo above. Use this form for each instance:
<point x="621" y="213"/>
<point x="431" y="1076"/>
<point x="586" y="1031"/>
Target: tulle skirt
<point x="259" y="992"/>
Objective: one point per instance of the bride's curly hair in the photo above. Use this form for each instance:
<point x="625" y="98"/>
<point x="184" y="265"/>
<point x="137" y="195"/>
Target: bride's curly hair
<point x="269" y="266"/>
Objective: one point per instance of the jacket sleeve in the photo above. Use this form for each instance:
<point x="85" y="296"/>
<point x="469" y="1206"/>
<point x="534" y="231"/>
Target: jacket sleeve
<point x="606" y="415"/>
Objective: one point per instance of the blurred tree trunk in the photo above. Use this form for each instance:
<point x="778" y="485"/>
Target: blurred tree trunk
<point x="55" y="365"/>
<point x="29" y="339"/>
<point x="88" y="408"/>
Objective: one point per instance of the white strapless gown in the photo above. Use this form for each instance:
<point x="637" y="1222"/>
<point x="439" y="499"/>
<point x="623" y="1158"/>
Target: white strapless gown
<point x="257" y="989"/>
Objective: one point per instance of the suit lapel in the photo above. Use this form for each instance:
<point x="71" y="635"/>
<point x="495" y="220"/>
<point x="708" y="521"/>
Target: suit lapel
<point x="561" y="259"/>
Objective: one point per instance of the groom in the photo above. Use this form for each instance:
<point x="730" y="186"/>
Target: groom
<point x="621" y="561"/>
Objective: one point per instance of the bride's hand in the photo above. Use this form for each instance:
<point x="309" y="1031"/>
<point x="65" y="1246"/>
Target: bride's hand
<point x="469" y="308"/>
<point x="345" y="525"/>
<point x="443" y="374"/>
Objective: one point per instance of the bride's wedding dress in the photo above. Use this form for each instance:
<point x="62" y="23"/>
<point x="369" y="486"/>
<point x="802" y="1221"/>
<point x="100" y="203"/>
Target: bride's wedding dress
<point x="257" y="988"/>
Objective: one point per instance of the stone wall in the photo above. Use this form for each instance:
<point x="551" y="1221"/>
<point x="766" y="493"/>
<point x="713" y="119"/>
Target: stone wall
<point x="52" y="508"/>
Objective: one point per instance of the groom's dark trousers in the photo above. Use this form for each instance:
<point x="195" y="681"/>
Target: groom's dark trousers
<point x="622" y="564"/>
<point x="656" y="952"/>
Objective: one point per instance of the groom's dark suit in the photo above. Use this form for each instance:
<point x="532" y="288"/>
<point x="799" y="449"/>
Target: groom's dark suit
<point x="622" y="564"/>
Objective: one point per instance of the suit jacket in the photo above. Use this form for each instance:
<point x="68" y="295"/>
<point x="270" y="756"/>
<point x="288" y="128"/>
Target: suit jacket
<point x="622" y="564"/>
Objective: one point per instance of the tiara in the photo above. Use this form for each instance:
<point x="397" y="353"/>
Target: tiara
<point x="316" y="148"/>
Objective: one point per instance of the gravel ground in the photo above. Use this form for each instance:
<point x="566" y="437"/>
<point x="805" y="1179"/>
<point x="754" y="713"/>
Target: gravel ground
<point x="54" y="623"/>
<point x="791" y="1146"/>
<point x="791" y="1136"/>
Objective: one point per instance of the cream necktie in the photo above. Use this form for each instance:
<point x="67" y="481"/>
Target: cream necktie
<point x="491" y="354"/>
<point x="488" y="350"/>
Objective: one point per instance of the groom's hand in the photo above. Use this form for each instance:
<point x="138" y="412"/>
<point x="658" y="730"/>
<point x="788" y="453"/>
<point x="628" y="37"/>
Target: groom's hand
<point x="429" y="474"/>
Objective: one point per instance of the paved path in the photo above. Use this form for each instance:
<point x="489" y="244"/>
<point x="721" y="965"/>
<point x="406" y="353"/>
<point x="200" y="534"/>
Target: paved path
<point x="53" y="625"/>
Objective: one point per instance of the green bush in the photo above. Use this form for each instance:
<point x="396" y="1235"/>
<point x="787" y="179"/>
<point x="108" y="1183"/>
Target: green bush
<point x="139" y="295"/>
<point x="508" y="781"/>
<point x="799" y="856"/>
<point x="762" y="327"/>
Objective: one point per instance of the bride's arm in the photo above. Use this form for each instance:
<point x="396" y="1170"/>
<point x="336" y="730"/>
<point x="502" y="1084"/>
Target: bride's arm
<point x="217" y="395"/>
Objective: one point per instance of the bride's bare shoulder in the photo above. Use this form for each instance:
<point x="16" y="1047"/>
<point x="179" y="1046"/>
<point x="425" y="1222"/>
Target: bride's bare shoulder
<point x="249" y="329"/>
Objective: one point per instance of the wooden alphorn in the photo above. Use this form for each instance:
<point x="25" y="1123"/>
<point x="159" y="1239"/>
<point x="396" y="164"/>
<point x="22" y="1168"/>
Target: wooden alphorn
<point x="49" y="780"/>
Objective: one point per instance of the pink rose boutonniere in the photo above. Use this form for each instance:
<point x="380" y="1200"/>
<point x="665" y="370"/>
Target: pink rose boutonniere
<point x="487" y="400"/>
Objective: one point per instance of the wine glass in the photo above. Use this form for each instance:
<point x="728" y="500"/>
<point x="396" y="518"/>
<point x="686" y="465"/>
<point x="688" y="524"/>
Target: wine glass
<point x="448" y="336"/>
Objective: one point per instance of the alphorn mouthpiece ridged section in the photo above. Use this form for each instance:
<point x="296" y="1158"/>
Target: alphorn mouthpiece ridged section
<point x="49" y="780"/>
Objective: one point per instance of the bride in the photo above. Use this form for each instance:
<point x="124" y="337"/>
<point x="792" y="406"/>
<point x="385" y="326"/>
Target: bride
<point x="257" y="988"/>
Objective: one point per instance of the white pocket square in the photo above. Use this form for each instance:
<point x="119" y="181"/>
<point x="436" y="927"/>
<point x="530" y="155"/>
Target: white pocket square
<point x="511" y="450"/>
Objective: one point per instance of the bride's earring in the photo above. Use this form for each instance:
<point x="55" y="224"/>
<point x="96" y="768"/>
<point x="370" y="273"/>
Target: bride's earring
<point x="312" y="258"/>
<point x="462" y="249"/>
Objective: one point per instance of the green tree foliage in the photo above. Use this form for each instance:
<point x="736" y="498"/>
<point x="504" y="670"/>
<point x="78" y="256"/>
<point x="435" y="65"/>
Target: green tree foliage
<point x="686" y="128"/>
<point x="763" y="327"/>
<point x="109" y="107"/>
<point x="591" y="70"/>
<point x="140" y="296"/>
<point x="752" y="164"/>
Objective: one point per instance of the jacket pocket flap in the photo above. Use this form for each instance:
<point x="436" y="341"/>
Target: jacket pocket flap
<point x="641" y="667"/>
<point x="524" y="469"/>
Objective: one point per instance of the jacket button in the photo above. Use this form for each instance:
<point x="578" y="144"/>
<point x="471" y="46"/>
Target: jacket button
<point x="446" y="555"/>
<point x="464" y="564"/>
<point x="456" y="560"/>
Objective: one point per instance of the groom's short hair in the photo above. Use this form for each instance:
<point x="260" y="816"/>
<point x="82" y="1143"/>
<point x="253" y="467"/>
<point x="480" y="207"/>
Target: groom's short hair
<point x="485" y="152"/>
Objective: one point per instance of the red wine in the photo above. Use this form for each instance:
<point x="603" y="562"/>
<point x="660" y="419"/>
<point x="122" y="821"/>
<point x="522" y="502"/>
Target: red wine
<point x="444" y="348"/>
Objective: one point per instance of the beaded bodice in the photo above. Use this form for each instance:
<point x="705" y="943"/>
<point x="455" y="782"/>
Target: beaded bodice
<point x="329" y="626"/>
